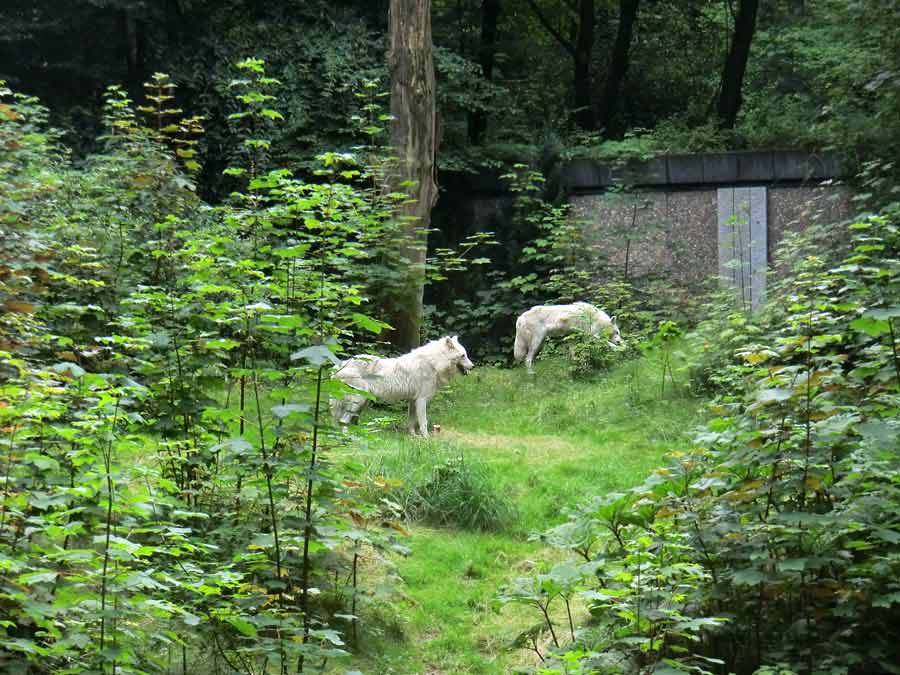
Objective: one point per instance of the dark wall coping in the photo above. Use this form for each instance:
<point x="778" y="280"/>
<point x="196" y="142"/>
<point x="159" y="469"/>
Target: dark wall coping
<point x="790" y="167"/>
<point x="586" y="175"/>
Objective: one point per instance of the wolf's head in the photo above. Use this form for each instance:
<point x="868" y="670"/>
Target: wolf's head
<point x="347" y="410"/>
<point x="615" y="337"/>
<point x="458" y="354"/>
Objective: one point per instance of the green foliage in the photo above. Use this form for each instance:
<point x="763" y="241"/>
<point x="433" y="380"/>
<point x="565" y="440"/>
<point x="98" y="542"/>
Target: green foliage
<point x="777" y="532"/>
<point x="716" y="341"/>
<point x="666" y="334"/>
<point x="589" y="355"/>
<point x="635" y="146"/>
<point x="820" y="75"/>
<point x="164" y="379"/>
<point x="558" y="256"/>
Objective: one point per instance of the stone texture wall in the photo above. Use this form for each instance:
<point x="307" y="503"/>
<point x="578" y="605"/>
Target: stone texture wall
<point x="791" y="209"/>
<point x="675" y="232"/>
<point x="658" y="232"/>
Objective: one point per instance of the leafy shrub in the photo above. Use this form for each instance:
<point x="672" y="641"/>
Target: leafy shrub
<point x="715" y="343"/>
<point x="129" y="307"/>
<point x="589" y="356"/>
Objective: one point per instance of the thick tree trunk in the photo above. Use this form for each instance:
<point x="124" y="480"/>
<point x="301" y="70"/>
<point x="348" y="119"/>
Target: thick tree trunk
<point x="413" y="133"/>
<point x="618" y="64"/>
<point x="579" y="47"/>
<point x="736" y="64"/>
<point x="584" y="45"/>
<point x="133" y="33"/>
<point x="490" y="11"/>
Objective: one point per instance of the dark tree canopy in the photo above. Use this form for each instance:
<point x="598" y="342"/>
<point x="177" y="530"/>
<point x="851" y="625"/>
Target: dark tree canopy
<point x="516" y="79"/>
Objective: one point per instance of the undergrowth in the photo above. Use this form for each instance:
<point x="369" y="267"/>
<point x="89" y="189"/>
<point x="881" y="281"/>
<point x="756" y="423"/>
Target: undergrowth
<point x="775" y="532"/>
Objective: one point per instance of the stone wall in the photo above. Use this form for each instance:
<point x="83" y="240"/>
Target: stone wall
<point x="791" y="209"/>
<point x="675" y="232"/>
<point x="668" y="222"/>
<point x="657" y="232"/>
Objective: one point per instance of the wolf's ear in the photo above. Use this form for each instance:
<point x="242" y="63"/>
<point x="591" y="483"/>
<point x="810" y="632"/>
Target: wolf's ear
<point x="612" y="319"/>
<point x="448" y="341"/>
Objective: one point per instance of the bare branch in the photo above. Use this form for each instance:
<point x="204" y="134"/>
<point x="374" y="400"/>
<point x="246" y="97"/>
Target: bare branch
<point x="569" y="47"/>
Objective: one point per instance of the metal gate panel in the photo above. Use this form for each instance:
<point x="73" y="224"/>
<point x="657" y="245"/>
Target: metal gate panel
<point x="742" y="221"/>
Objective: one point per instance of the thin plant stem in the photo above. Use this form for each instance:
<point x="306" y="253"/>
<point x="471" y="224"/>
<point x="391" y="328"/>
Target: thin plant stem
<point x="7" y="474"/>
<point x="569" y="614"/>
<point x="307" y="529"/>
<point x="894" y="348"/>
<point x="107" y="462"/>
<point x="546" y="614"/>
<point x="267" y="472"/>
<point x="353" y="601"/>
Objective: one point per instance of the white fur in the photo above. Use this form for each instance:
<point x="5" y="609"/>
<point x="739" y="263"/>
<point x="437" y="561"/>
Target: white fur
<point x="415" y="377"/>
<point x="543" y="320"/>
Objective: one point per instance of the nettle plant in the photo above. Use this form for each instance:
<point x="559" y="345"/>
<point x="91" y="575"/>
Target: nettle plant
<point x="778" y="533"/>
<point x="558" y="254"/>
<point x="173" y="499"/>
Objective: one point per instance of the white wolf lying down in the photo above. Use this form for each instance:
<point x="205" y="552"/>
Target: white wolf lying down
<point x="543" y="320"/>
<point x="414" y="377"/>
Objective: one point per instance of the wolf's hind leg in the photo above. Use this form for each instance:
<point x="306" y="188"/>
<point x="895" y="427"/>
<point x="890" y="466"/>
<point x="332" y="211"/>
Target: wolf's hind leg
<point x="533" y="348"/>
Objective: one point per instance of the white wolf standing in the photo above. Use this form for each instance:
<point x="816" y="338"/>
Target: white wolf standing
<point x="414" y="377"/>
<point x="543" y="320"/>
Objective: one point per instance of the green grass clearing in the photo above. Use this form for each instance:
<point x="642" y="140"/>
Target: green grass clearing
<point x="544" y="443"/>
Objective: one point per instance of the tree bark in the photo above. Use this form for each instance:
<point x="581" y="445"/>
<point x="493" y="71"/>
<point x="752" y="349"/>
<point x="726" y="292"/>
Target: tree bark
<point x="413" y="133"/>
<point x="490" y="11"/>
<point x="618" y="64"/>
<point x="133" y="33"/>
<point x="736" y="64"/>
<point x="580" y="48"/>
<point x="584" y="45"/>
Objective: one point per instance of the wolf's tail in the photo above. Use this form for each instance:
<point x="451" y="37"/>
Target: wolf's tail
<point x="520" y="349"/>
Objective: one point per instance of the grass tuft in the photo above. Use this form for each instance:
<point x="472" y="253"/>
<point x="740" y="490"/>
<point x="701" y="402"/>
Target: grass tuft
<point x="443" y="487"/>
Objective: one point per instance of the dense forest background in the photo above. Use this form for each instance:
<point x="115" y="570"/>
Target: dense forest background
<point x="531" y="82"/>
<point x="538" y="80"/>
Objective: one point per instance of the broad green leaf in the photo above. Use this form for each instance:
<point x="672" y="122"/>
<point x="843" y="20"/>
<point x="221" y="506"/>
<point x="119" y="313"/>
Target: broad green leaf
<point x="776" y="394"/>
<point x="67" y="368"/>
<point x="368" y="323"/>
<point x="317" y="355"/>
<point x="285" y="410"/>
<point x="243" y="626"/>
<point x="871" y="326"/>
<point x="749" y="577"/>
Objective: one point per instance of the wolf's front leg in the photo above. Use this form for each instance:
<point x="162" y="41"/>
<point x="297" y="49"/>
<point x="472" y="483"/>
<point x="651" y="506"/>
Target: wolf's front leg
<point x="421" y="404"/>
<point x="533" y="348"/>
<point x="411" y="417"/>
